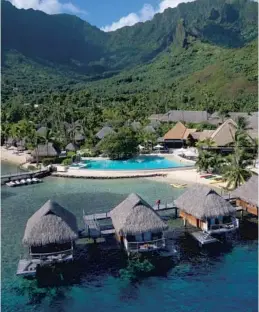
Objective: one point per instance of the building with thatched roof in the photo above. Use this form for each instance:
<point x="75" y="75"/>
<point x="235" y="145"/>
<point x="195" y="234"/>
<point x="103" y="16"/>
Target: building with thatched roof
<point x="50" y="231"/>
<point x="137" y="225"/>
<point x="177" y="136"/>
<point x="42" y="131"/>
<point x="224" y="134"/>
<point x="149" y="129"/>
<point x="247" y="195"/>
<point x="71" y="147"/>
<point x="79" y="138"/>
<point x="104" y="132"/>
<point x="135" y="125"/>
<point x="203" y="208"/>
<point x="45" y="150"/>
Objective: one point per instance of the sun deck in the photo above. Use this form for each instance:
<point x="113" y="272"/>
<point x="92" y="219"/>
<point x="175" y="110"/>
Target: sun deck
<point x="204" y="238"/>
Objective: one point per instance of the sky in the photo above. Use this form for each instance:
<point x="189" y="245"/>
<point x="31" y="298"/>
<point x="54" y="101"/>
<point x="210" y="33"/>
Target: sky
<point x="107" y="15"/>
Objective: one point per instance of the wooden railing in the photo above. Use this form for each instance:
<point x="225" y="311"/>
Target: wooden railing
<point x="233" y="224"/>
<point x="147" y="245"/>
<point x="51" y="254"/>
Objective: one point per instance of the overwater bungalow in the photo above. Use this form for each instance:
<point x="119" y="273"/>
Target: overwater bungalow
<point x="137" y="226"/>
<point x="247" y="195"/>
<point x="49" y="234"/>
<point x="205" y="209"/>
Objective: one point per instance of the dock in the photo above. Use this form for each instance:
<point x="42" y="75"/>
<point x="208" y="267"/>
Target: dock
<point x="23" y="175"/>
<point x="204" y="238"/>
<point x="27" y="267"/>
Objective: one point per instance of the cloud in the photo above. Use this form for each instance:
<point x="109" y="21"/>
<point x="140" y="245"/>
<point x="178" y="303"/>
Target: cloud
<point x="48" y="6"/>
<point x="146" y="13"/>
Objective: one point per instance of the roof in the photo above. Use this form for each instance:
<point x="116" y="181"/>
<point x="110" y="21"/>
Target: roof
<point x="178" y="132"/>
<point x="155" y="116"/>
<point x="71" y="147"/>
<point x="42" y="131"/>
<point x="248" y="191"/>
<point x="50" y="224"/>
<point x="45" y="150"/>
<point x="223" y="135"/>
<point x="134" y="216"/>
<point x="187" y="116"/>
<point x="202" y="202"/>
<point x="149" y="129"/>
<point x="202" y="135"/>
<point x="104" y="132"/>
<point x="135" y="125"/>
<point x="155" y="123"/>
<point x="79" y="136"/>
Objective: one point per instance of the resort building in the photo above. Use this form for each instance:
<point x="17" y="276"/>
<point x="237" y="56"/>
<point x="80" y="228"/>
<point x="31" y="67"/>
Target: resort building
<point x="177" y="136"/>
<point x="104" y="132"/>
<point x="50" y="233"/>
<point x="137" y="225"/>
<point x="45" y="150"/>
<point x="247" y="195"/>
<point x="203" y="208"/>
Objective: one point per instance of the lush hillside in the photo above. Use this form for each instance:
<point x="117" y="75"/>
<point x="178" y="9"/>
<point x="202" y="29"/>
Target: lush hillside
<point x="198" y="54"/>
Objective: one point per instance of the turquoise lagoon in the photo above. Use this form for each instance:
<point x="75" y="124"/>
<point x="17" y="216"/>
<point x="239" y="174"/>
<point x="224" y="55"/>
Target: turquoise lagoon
<point x="223" y="279"/>
<point x="138" y="163"/>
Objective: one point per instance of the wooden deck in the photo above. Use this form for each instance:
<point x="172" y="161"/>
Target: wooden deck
<point x="27" y="267"/>
<point x="204" y="238"/>
<point x="19" y="175"/>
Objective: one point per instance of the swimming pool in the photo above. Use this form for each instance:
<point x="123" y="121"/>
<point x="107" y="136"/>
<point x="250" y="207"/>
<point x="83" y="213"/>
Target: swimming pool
<point x="138" y="163"/>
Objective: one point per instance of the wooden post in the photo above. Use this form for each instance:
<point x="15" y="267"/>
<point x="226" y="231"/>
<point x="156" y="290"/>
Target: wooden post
<point x="184" y="222"/>
<point x="175" y="215"/>
<point x="242" y="214"/>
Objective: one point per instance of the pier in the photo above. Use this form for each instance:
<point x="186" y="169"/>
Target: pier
<point x="21" y="175"/>
<point x="204" y="238"/>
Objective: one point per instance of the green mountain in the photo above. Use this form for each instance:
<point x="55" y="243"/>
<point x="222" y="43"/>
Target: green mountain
<point x="202" y="47"/>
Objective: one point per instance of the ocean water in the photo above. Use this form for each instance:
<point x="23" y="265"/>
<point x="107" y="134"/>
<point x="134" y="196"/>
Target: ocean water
<point x="138" y="163"/>
<point x="223" y="279"/>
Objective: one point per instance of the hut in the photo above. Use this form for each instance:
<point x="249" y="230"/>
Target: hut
<point x="203" y="208"/>
<point x="137" y="226"/>
<point x="42" y="131"/>
<point x="71" y="147"/>
<point x="224" y="134"/>
<point x="149" y="129"/>
<point x="247" y="195"/>
<point x="45" y="150"/>
<point x="177" y="136"/>
<point x="104" y="132"/>
<point x="50" y="233"/>
<point x="79" y="138"/>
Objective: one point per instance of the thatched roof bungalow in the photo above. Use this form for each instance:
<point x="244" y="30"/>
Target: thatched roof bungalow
<point x="51" y="228"/>
<point x="202" y="207"/>
<point x="136" y="223"/>
<point x="45" y="150"/>
<point x="42" y="131"/>
<point x="247" y="195"/>
<point x="224" y="134"/>
<point x="104" y="132"/>
<point x="177" y="136"/>
<point x="71" y="147"/>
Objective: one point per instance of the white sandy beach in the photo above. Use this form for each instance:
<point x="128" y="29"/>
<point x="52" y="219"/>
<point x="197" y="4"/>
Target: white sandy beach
<point x="10" y="156"/>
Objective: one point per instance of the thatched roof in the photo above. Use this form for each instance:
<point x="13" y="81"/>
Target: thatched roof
<point x="224" y="133"/>
<point x="248" y="191"/>
<point x="79" y="137"/>
<point x="135" y="125"/>
<point x="104" y="132"/>
<point x="202" y="135"/>
<point x="42" y="131"/>
<point x="134" y="216"/>
<point x="71" y="147"/>
<point x="149" y="129"/>
<point x="186" y="116"/>
<point x="178" y="132"/>
<point x="45" y="150"/>
<point x="202" y="202"/>
<point x="50" y="224"/>
<point x="155" y="123"/>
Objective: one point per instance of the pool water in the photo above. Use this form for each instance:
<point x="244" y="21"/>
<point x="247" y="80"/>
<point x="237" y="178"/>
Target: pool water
<point x="138" y="163"/>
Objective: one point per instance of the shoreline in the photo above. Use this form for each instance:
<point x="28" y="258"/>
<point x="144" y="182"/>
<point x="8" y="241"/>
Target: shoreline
<point x="10" y="157"/>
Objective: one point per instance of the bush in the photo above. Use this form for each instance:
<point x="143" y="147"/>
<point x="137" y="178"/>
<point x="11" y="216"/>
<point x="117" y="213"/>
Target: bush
<point x="71" y="154"/>
<point x="67" y="162"/>
<point x="48" y="161"/>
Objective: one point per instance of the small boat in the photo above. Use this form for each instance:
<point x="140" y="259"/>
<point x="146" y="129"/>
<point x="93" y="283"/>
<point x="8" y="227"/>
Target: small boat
<point x="23" y="182"/>
<point x="29" y="181"/>
<point x="178" y="185"/>
<point x="36" y="180"/>
<point x="11" y="184"/>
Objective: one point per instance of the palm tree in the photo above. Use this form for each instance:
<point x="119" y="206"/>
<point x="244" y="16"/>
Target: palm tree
<point x="235" y="168"/>
<point x="204" y="161"/>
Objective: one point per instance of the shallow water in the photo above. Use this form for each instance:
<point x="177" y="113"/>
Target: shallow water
<point x="223" y="279"/>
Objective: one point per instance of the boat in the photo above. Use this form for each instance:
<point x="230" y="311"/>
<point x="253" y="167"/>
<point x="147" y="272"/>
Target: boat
<point x="29" y="181"/>
<point x="36" y="180"/>
<point x="17" y="182"/>
<point x="216" y="181"/>
<point x="178" y="185"/>
<point x="23" y="182"/>
<point x="11" y="184"/>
